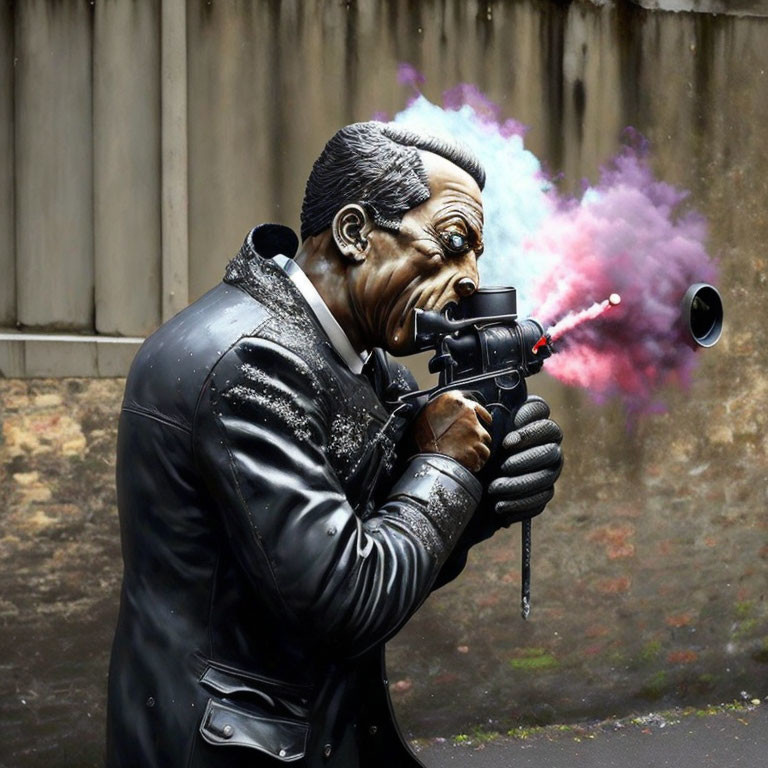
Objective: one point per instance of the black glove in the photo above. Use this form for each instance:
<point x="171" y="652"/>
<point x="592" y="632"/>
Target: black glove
<point x="517" y="489"/>
<point x="526" y="479"/>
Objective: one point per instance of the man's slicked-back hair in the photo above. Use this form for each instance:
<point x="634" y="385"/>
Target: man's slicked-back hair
<point x="378" y="166"/>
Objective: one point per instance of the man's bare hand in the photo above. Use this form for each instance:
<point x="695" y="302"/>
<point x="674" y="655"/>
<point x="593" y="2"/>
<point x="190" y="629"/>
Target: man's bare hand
<point x="452" y="424"/>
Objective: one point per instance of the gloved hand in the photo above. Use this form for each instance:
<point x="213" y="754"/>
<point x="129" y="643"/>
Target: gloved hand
<point x="521" y="486"/>
<point x="451" y="424"/>
<point x="526" y="479"/>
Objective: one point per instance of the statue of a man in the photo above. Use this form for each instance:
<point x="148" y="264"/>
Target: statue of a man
<point x="281" y="515"/>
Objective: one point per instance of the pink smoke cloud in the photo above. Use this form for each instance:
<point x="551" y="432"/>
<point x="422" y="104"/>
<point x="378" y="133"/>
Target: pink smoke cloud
<point x="630" y="236"/>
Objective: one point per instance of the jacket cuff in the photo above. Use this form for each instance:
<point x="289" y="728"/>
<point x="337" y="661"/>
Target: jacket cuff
<point x="440" y="497"/>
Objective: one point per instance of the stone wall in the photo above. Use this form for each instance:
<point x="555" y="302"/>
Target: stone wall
<point x="648" y="589"/>
<point x="60" y="567"/>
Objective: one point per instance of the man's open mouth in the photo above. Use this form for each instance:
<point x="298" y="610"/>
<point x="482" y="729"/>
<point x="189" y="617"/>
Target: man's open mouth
<point x="436" y="299"/>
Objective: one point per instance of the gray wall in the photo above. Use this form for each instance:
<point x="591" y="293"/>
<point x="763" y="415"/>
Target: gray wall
<point x="80" y="179"/>
<point x="141" y="139"/>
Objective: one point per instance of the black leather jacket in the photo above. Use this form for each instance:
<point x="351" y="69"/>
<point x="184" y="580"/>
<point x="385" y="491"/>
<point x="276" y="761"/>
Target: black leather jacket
<point x="272" y="537"/>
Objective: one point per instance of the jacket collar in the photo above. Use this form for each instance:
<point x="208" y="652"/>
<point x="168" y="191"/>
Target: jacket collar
<point x="278" y="244"/>
<point x="328" y="322"/>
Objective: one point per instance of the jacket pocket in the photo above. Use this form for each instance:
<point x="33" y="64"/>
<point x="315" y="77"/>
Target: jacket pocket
<point x="228" y="725"/>
<point x="275" y="697"/>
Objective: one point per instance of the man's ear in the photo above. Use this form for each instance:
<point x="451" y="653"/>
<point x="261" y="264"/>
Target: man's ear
<point x="350" y="228"/>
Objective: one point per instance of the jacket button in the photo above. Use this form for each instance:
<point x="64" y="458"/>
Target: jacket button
<point x="282" y="753"/>
<point x="327" y="750"/>
<point x="150" y="702"/>
<point x="227" y="731"/>
<point x="373" y="730"/>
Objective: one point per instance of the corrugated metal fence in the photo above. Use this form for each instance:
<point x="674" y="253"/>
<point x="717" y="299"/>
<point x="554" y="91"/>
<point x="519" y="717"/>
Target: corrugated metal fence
<point x="93" y="222"/>
<point x="141" y="139"/>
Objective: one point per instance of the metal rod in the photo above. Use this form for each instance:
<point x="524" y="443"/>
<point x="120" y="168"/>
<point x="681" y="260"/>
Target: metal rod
<point x="525" y="590"/>
<point x="69" y="338"/>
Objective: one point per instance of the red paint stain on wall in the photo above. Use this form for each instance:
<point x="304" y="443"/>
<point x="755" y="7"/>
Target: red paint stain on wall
<point x="613" y="586"/>
<point x="616" y="540"/>
<point x="665" y="547"/>
<point x="487" y="600"/>
<point x="682" y="657"/>
<point x="597" y="630"/>
<point x="679" y="619"/>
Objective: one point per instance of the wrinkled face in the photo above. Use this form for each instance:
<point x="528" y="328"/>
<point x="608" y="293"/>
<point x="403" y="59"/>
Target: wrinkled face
<point x="421" y="266"/>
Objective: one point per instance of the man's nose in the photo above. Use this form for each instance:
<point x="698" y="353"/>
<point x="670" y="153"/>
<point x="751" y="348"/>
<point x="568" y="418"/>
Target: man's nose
<point x="465" y="286"/>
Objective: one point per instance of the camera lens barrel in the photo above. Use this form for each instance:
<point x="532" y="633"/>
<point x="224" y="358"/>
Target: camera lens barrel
<point x="702" y="314"/>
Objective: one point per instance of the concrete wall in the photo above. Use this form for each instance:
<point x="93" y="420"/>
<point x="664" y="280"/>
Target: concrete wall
<point x="154" y="133"/>
<point x="649" y="566"/>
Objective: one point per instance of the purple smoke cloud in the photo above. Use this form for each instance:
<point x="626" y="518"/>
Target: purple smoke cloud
<point x="629" y="234"/>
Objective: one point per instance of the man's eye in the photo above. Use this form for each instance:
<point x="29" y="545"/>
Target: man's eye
<point x="455" y="242"/>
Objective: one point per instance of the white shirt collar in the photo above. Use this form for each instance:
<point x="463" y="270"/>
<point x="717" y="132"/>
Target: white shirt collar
<point x="328" y="322"/>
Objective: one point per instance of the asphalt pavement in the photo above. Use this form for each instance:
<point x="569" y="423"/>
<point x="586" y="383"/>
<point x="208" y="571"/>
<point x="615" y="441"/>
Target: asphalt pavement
<point x="734" y="736"/>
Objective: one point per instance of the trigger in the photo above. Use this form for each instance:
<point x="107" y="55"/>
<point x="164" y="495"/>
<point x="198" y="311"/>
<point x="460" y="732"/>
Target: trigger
<point x="440" y="363"/>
